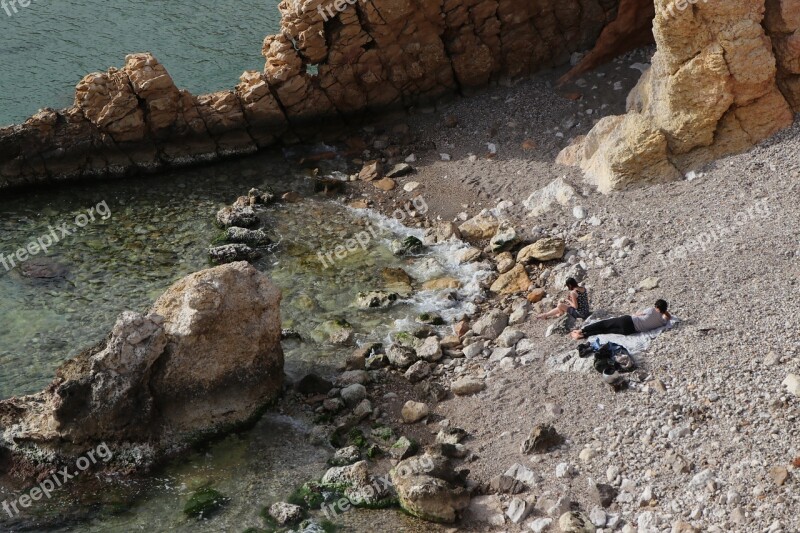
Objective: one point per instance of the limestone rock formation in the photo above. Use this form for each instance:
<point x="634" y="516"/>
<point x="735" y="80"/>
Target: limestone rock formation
<point x="321" y="66"/>
<point x="205" y="359"/>
<point x="724" y="77"/>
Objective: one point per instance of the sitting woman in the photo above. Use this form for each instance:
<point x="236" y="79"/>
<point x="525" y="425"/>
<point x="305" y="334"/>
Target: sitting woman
<point x="576" y="304"/>
<point x="646" y="320"/>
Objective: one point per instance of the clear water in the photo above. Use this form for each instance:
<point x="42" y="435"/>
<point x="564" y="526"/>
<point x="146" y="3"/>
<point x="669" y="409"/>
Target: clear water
<point x="50" y="45"/>
<point x="158" y="230"/>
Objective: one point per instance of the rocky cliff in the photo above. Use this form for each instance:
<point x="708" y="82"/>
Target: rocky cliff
<point x="324" y="64"/>
<point x="206" y="358"/>
<point x="726" y="75"/>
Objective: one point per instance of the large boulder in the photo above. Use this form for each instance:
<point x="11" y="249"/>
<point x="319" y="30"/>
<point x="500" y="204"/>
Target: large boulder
<point x="724" y="77"/>
<point x="205" y="359"/>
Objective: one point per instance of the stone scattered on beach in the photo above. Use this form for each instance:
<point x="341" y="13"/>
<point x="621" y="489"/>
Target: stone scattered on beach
<point x="467" y="385"/>
<point x="414" y="412"/>
<point x="792" y="384"/>
<point x="468" y="255"/>
<point x="371" y="171"/>
<point x="536" y="295"/>
<point x="513" y="281"/>
<point x="649" y="284"/>
<point x="480" y="227"/>
<point x="542" y="438"/>
<point x="400" y="170"/>
<point x="441" y="283"/>
<point x="576" y="522"/>
<point x="504" y="238"/>
<point x="557" y="192"/>
<point x="385" y="184"/>
<point x="491" y="324"/>
<point x="547" y="249"/>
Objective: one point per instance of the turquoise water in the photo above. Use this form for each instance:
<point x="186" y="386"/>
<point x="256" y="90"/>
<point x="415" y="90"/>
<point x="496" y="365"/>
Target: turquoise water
<point x="47" y="47"/>
<point x="157" y="231"/>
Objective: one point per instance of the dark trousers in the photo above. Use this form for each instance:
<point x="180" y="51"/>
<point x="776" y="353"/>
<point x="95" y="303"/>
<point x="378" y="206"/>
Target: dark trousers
<point x="621" y="325"/>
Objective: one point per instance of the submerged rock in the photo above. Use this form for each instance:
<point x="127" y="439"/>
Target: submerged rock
<point x="251" y="237"/>
<point x="205" y="359"/>
<point x="230" y="253"/>
<point x="240" y="216"/>
<point x="376" y="299"/>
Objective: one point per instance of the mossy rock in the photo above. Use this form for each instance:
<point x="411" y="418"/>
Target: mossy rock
<point x="204" y="503"/>
<point x="356" y="438"/>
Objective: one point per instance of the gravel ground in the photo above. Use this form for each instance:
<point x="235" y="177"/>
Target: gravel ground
<point x="710" y="390"/>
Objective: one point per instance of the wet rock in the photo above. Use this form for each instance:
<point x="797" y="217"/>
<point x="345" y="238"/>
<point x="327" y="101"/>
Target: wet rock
<point x="376" y="299"/>
<point x="396" y="275"/>
<point x="542" y="438"/>
<point x="401" y="356"/>
<point x="247" y="236"/>
<point x="407" y="246"/>
<point x="547" y="249"/>
<point x="313" y="384"/>
<point x="468" y="255"/>
<point x="480" y="227"/>
<point x="442" y="231"/>
<point x="432" y="319"/>
<point x="242" y="217"/>
<point x="204" y="503"/>
<point x="403" y="448"/>
<point x="286" y="513"/>
<point x="231" y="253"/>
<point x="422" y="493"/>
<point x="43" y="269"/>
<point x="414" y="412"/>
<point x="441" y="284"/>
<point x="337" y="331"/>
<point x="261" y="197"/>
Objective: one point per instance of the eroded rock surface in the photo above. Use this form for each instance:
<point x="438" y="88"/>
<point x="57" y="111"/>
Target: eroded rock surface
<point x="371" y="56"/>
<point x="206" y="358"/>
<point x="726" y="75"/>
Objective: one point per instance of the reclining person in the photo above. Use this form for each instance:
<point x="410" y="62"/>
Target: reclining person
<point x="646" y="320"/>
<point x="576" y="304"/>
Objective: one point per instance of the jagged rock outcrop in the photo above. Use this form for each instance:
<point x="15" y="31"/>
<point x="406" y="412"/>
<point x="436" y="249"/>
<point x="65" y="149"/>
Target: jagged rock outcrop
<point x="724" y="77"/>
<point x="205" y="359"/>
<point x="322" y="65"/>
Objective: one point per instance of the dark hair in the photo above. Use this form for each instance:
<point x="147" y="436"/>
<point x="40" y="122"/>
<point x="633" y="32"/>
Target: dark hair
<point x="571" y="283"/>
<point x="662" y="306"/>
